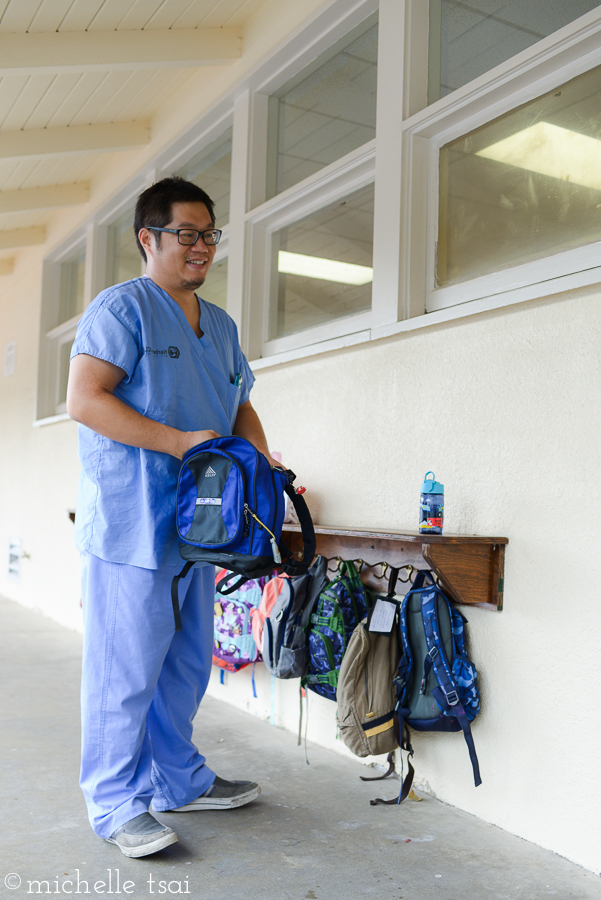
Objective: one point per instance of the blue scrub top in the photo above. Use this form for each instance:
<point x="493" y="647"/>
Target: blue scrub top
<point x="126" y="502"/>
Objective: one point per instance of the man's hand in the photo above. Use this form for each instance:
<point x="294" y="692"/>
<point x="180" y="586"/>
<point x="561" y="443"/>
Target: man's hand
<point x="91" y="401"/>
<point x="192" y="438"/>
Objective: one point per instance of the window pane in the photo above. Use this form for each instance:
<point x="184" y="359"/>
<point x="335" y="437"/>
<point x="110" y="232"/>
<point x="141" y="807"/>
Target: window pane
<point x="124" y="260"/>
<point x="322" y="266"/>
<point x="211" y="170"/>
<point x="63" y="370"/>
<point x="71" y="288"/>
<point x="214" y="290"/>
<point x="524" y="186"/>
<point x="326" y="115"/>
<point x="470" y="37"/>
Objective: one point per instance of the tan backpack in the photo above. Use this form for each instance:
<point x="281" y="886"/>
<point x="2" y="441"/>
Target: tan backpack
<point x="366" y="694"/>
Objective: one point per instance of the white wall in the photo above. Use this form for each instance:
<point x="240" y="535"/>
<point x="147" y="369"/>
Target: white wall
<point x="504" y="408"/>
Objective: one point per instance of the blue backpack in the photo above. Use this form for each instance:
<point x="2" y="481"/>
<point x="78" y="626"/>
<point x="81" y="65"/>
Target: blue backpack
<point x="342" y="604"/>
<point x="436" y="681"/>
<point x="230" y="510"/>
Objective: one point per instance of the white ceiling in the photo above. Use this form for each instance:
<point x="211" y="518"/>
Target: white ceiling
<point x="95" y="82"/>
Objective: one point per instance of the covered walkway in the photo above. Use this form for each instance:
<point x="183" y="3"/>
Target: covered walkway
<point x="312" y="834"/>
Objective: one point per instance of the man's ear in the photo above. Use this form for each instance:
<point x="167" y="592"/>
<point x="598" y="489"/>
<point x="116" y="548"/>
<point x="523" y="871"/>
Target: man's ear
<point x="146" y="239"/>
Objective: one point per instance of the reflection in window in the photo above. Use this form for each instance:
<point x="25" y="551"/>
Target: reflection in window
<point x="72" y="288"/>
<point x="326" y="115"/>
<point x="124" y="260"/>
<point x="469" y="37"/>
<point x="524" y="186"/>
<point x="214" y="290"/>
<point x="322" y="265"/>
<point x="211" y="170"/>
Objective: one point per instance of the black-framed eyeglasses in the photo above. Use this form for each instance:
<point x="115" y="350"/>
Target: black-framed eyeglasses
<point x="187" y="236"/>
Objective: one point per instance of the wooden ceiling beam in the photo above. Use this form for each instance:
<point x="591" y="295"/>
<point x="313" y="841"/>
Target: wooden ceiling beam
<point x="73" y="139"/>
<point x="22" y="237"/>
<point x="98" y="51"/>
<point x="48" y="197"/>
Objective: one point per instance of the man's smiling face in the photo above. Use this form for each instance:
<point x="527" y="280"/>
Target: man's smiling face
<point x="173" y="265"/>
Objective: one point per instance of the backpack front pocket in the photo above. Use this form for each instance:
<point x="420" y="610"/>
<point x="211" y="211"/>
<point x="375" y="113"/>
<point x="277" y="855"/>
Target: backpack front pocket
<point x="210" y="500"/>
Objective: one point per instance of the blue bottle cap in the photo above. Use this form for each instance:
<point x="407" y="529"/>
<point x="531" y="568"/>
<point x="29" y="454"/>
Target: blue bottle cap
<point x="431" y="486"/>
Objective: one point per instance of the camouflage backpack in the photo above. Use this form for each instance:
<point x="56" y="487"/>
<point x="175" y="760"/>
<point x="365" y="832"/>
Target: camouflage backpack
<point x="341" y="605"/>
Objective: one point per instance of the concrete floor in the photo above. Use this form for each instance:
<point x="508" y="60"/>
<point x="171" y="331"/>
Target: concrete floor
<point x="312" y="834"/>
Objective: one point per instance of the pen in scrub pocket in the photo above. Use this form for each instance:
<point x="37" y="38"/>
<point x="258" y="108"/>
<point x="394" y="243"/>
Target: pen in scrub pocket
<point x="238" y="380"/>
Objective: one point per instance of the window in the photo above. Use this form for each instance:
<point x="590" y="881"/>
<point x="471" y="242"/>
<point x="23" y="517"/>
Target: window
<point x="320" y="117"/>
<point x="71" y="288"/>
<point x="495" y="173"/>
<point x="214" y="290"/>
<point x="123" y="257"/>
<point x="64" y="298"/>
<point x="64" y="353"/>
<point x="211" y="170"/>
<point x="523" y="186"/>
<point x="469" y="38"/>
<point x="322" y="265"/>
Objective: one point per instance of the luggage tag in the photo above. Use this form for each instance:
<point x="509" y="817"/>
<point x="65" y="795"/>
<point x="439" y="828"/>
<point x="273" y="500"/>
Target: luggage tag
<point x="383" y="614"/>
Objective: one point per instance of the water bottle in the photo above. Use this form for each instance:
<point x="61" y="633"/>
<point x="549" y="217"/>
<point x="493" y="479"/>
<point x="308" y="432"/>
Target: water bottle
<point x="431" y="505"/>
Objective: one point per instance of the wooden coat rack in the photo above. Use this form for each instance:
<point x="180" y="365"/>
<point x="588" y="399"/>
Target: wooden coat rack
<point x="470" y="568"/>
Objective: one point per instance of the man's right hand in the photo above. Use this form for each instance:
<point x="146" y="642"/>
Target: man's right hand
<point x="190" y="439"/>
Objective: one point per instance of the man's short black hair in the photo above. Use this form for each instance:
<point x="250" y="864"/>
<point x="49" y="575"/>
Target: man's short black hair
<point x="155" y="204"/>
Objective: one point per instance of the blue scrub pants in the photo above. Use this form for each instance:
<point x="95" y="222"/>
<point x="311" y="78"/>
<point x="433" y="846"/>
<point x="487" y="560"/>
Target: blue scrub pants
<point x="142" y="684"/>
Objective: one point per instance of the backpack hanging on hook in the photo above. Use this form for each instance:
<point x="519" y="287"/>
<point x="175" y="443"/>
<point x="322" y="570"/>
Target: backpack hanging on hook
<point x="436" y="682"/>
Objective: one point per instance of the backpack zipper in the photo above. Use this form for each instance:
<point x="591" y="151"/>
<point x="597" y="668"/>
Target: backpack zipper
<point x="274" y="544"/>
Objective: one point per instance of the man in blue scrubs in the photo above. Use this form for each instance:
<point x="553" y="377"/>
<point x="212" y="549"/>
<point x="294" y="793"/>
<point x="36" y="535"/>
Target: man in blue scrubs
<point x="155" y="370"/>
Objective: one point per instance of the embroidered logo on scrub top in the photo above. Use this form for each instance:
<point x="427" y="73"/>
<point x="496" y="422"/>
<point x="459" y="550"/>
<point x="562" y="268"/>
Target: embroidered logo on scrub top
<point x="172" y="352"/>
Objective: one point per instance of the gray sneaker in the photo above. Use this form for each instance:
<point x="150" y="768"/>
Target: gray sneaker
<point x="223" y="795"/>
<point x="142" y="836"/>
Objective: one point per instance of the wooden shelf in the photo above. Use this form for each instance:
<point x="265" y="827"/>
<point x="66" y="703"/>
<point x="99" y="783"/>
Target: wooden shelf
<point x="469" y="567"/>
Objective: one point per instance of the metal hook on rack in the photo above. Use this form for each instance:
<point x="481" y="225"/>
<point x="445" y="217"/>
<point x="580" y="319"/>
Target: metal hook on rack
<point x="338" y="560"/>
<point x="385" y="567"/>
<point x="409" y="569"/>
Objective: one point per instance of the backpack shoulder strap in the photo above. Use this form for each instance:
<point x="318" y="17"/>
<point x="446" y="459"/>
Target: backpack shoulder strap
<point x="292" y="566"/>
<point x="446" y="694"/>
<point x="174" y="593"/>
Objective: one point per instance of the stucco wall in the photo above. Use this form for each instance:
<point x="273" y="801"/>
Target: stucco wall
<point x="504" y="408"/>
<point x="38" y="466"/>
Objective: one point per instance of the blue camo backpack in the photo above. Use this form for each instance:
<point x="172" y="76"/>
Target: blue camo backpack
<point x="229" y="513"/>
<point x="436" y="681"/>
<point x="341" y="605"/>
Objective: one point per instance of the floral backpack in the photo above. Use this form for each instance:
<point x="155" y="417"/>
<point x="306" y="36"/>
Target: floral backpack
<point x="234" y="646"/>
